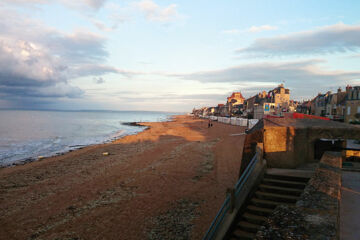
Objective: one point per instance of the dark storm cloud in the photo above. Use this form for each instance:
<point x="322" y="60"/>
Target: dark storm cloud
<point x="39" y="62"/>
<point x="53" y="91"/>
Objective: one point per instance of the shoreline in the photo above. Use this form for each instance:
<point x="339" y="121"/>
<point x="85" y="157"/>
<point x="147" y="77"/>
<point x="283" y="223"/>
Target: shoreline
<point x="178" y="169"/>
<point x="28" y="160"/>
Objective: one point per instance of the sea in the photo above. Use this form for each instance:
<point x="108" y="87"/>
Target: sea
<point x="27" y="135"/>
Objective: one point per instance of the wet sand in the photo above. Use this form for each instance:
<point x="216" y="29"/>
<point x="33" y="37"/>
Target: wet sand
<point x="167" y="182"/>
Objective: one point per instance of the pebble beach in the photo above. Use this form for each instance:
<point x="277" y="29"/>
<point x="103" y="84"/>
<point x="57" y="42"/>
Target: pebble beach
<point x="166" y="182"/>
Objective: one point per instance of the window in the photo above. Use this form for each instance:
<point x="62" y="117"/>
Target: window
<point x="358" y="109"/>
<point x="348" y="110"/>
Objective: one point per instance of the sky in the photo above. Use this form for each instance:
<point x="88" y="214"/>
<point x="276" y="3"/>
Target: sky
<point x="158" y="55"/>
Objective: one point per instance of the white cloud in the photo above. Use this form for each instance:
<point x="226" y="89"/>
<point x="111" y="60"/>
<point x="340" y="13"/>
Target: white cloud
<point x="92" y="4"/>
<point x="338" y="38"/>
<point x="261" y="28"/>
<point x="99" y="80"/>
<point x="96" y="4"/>
<point x="102" y="26"/>
<point x="116" y="15"/>
<point x="252" y="29"/>
<point x="27" y="1"/>
<point x="154" y="12"/>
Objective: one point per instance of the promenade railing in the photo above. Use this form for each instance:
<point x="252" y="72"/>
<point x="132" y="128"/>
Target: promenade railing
<point x="231" y="200"/>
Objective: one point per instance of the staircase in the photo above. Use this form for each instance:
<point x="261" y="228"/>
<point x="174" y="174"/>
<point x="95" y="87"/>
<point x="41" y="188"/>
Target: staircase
<point x="275" y="189"/>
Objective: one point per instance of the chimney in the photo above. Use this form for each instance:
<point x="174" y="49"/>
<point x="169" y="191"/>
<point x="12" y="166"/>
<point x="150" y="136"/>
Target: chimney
<point x="339" y="90"/>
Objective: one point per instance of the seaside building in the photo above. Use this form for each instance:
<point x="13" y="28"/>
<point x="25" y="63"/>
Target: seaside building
<point x="279" y="96"/>
<point x="341" y="106"/>
<point x="236" y="98"/>
<point x="293" y="105"/>
<point x="320" y="104"/>
<point x="335" y="105"/>
<point x="253" y="102"/>
<point x="235" y="103"/>
<point x="265" y="109"/>
<point x="352" y="108"/>
<point x="304" y="107"/>
<point x="223" y="110"/>
<point x="273" y="102"/>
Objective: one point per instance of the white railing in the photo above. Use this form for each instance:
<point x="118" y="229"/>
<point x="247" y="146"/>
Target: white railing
<point x="252" y="123"/>
<point x="243" y="122"/>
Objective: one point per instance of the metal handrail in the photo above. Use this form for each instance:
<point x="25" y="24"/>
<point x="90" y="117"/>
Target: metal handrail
<point x="246" y="174"/>
<point x="225" y="207"/>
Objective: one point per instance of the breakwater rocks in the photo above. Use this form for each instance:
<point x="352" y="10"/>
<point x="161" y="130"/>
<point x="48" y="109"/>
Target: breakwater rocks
<point x="134" y="124"/>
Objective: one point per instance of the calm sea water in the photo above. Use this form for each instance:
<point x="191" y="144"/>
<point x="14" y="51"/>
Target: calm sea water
<point x="25" y="135"/>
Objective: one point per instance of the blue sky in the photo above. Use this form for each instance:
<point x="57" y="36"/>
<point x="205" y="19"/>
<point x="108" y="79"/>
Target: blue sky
<point x="172" y="55"/>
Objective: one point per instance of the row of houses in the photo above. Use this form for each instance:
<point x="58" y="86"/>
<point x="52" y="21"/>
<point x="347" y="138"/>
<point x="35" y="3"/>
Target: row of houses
<point x="274" y="102"/>
<point x="340" y="106"/>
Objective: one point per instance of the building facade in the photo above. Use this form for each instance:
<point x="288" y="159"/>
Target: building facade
<point x="235" y="103"/>
<point x="352" y="107"/>
<point x="274" y="102"/>
<point x="335" y="105"/>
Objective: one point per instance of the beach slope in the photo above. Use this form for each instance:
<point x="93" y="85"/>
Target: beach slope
<point x="166" y="181"/>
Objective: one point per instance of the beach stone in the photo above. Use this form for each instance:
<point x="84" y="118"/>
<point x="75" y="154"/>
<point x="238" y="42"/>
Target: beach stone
<point x="175" y="223"/>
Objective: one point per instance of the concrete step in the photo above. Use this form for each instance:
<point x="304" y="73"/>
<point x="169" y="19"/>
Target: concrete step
<point x="284" y="183"/>
<point x="253" y="218"/>
<point x="280" y="190"/>
<point x="240" y="234"/>
<point x="265" y="203"/>
<point x="247" y="226"/>
<point x="287" y="177"/>
<point x="301" y="173"/>
<point x="279" y="187"/>
<point x="259" y="210"/>
<point x="276" y="197"/>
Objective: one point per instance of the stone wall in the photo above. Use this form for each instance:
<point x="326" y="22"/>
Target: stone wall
<point x="289" y="143"/>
